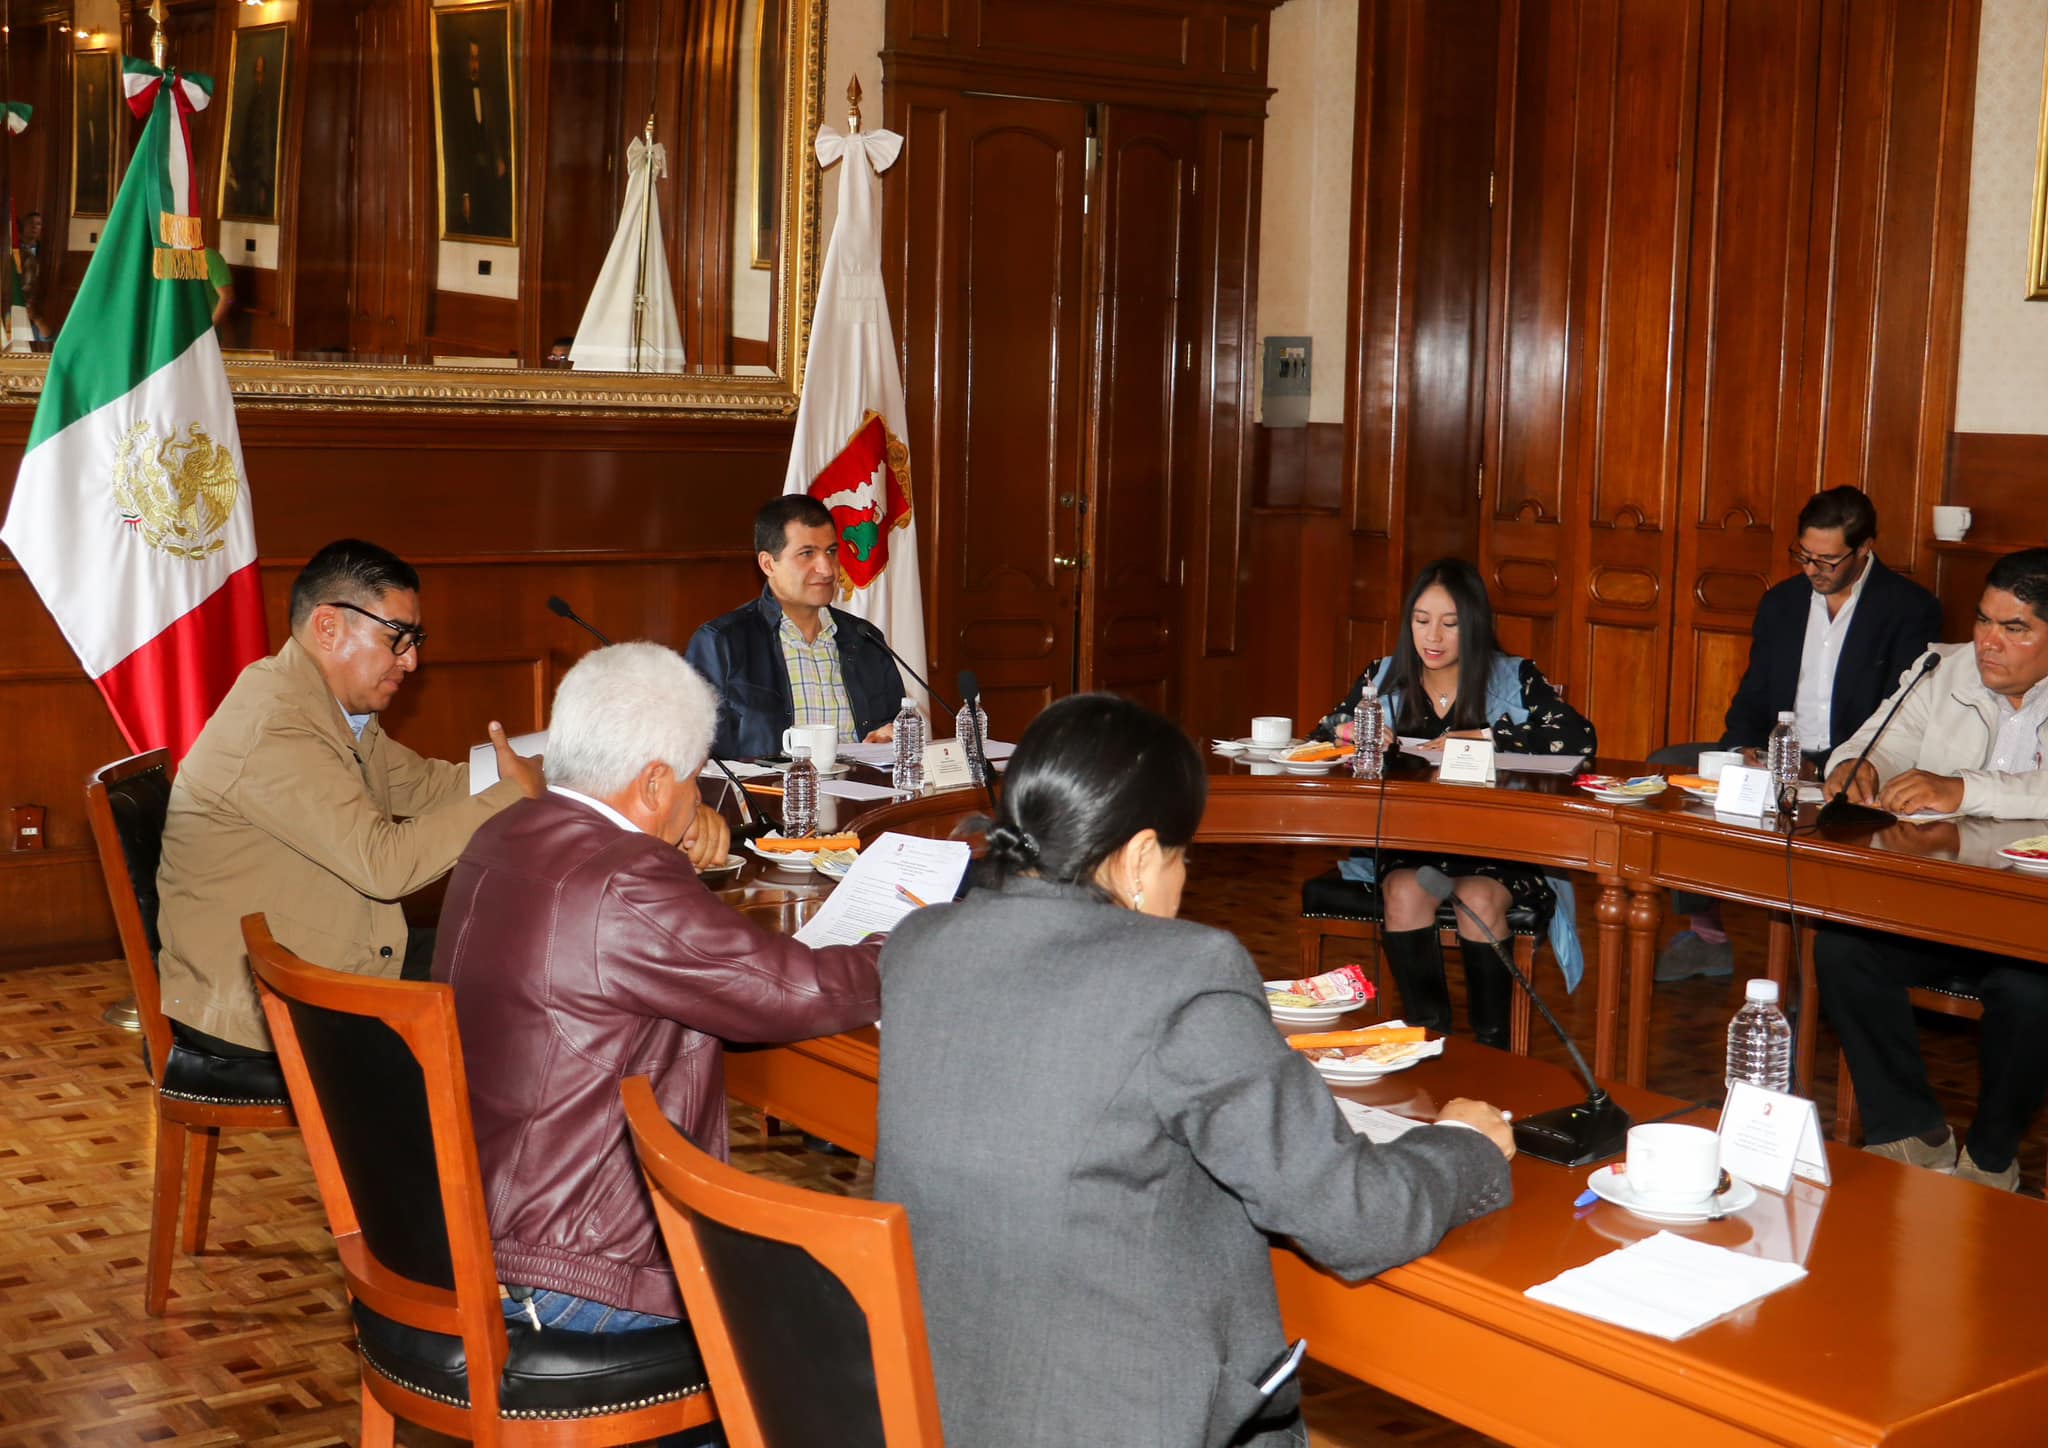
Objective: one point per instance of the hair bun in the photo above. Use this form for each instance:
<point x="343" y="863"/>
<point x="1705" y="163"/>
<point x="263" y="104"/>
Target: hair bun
<point x="1007" y="841"/>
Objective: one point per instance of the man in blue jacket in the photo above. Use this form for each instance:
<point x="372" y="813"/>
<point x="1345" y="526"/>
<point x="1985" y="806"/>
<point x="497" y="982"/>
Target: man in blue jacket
<point x="1828" y="644"/>
<point x="789" y="657"/>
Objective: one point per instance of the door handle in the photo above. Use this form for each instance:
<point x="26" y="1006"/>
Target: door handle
<point x="1064" y="562"/>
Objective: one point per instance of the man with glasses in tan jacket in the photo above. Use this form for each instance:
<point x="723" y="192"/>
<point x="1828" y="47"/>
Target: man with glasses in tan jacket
<point x="296" y="803"/>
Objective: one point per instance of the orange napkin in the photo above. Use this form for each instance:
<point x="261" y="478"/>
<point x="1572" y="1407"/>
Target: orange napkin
<point x="1368" y="1036"/>
<point x="808" y="843"/>
<point x="1314" y="754"/>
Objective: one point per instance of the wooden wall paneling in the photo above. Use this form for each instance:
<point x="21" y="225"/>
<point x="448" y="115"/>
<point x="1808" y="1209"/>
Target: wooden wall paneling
<point x="1744" y="330"/>
<point x="2000" y="478"/>
<point x="325" y="74"/>
<point x="536" y="29"/>
<point x="1225" y="385"/>
<point x="1897" y="97"/>
<point x="393" y="212"/>
<point x="1142" y="254"/>
<point x="586" y="141"/>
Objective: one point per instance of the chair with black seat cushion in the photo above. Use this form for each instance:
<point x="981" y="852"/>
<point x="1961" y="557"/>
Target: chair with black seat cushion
<point x="1943" y="997"/>
<point x="806" y="1305"/>
<point x="376" y="1070"/>
<point x="196" y="1093"/>
<point x="1334" y="908"/>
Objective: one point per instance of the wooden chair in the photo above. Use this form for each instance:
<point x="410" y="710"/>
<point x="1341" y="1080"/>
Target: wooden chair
<point x="806" y="1305"/>
<point x="375" y="1068"/>
<point x="196" y="1093"/>
<point x="1334" y="908"/>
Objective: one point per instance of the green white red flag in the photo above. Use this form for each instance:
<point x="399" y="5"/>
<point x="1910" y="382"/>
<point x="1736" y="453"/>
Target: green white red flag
<point x="131" y="512"/>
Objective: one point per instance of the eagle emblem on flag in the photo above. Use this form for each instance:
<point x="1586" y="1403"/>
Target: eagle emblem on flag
<point x="176" y="493"/>
<point x="866" y="488"/>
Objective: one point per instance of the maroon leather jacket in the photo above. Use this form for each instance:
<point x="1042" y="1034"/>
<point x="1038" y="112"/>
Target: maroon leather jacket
<point x="582" y="954"/>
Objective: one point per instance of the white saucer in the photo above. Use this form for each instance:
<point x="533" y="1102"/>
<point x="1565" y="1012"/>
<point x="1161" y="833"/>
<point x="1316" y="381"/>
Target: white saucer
<point x="2025" y="864"/>
<point x="723" y="872"/>
<point x="1253" y="748"/>
<point x="1611" y="1186"/>
<point x="1312" y="1015"/>
<point x="802" y="861"/>
<point x="1355" y="1071"/>
<point x="1314" y="766"/>
<point x="839" y="770"/>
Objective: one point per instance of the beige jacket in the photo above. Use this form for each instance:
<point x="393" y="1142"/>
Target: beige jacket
<point x="1948" y="727"/>
<point x="279" y="809"/>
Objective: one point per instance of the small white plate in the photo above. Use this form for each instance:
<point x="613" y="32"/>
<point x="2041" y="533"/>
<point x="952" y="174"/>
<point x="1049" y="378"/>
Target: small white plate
<point x="834" y="864"/>
<point x="2025" y="864"/>
<point x="1254" y="749"/>
<point x="839" y="770"/>
<point x="1356" y="1071"/>
<point x="723" y="872"/>
<point x="1313" y="766"/>
<point x="1312" y="1015"/>
<point x="801" y="861"/>
<point x="1227" y="746"/>
<point x="1709" y="795"/>
<point x="1612" y="1186"/>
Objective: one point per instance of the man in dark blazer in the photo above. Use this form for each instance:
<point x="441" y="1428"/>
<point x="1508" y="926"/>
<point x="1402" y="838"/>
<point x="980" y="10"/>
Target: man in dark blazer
<point x="789" y="657"/>
<point x="1827" y="646"/>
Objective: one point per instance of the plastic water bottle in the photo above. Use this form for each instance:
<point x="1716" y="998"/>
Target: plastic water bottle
<point x="1760" y="1040"/>
<point x="906" y="776"/>
<point x="800" y="795"/>
<point x="1783" y="757"/>
<point x="1368" y="726"/>
<point x="978" y="722"/>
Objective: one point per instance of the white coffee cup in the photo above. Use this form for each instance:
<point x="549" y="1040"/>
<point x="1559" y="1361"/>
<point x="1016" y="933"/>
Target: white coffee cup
<point x="1713" y="761"/>
<point x="1272" y="729"/>
<point x="821" y="739"/>
<point x="1673" y="1166"/>
<point x="1951" y="523"/>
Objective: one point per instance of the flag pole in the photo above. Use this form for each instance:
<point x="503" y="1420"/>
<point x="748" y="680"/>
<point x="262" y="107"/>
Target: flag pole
<point x="640" y="267"/>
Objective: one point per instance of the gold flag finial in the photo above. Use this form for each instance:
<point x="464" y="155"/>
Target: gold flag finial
<point x="853" y="104"/>
<point x="650" y="128"/>
<point x="157" y="44"/>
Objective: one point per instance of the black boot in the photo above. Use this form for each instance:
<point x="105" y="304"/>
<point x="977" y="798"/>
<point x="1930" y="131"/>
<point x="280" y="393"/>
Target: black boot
<point x="1418" y="965"/>
<point x="1489" y="993"/>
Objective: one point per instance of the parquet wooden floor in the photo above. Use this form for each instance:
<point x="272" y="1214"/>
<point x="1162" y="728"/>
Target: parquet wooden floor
<point x="256" y="1346"/>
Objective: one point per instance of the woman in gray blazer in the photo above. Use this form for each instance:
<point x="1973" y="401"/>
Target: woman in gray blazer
<point x="1095" y="1127"/>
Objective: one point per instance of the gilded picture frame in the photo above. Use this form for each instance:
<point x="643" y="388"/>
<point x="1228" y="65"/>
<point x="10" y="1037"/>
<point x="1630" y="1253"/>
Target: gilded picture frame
<point x="2037" y="247"/>
<point x="476" y="123"/>
<point x="96" y="108"/>
<point x="252" y="148"/>
<point x="765" y="165"/>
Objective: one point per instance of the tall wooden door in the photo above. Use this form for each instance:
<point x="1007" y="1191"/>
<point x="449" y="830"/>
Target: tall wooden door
<point x="1142" y="354"/>
<point x="1012" y="388"/>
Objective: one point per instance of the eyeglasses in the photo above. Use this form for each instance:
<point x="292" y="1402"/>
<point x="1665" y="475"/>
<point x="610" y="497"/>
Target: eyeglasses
<point x="1802" y="559"/>
<point x="404" y="636"/>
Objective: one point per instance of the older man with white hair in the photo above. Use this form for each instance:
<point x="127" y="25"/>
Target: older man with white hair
<point x="583" y="949"/>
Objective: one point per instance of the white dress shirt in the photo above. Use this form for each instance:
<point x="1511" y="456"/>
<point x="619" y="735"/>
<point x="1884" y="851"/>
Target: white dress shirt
<point x="599" y="805"/>
<point x="2016" y="748"/>
<point x="1814" y="705"/>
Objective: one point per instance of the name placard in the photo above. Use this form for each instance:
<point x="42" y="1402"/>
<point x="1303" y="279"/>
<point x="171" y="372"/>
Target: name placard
<point x="1768" y="1137"/>
<point x="1467" y="761"/>
<point x="946" y="766"/>
<point x="1745" y="791"/>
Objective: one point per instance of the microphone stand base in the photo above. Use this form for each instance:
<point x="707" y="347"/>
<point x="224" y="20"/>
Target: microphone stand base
<point x="1577" y="1135"/>
<point x="1839" y="812"/>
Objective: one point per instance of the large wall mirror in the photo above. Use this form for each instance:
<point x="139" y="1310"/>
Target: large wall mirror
<point x="417" y="199"/>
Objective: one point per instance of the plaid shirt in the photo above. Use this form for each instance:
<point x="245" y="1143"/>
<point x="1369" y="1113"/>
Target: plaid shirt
<point x="816" y="688"/>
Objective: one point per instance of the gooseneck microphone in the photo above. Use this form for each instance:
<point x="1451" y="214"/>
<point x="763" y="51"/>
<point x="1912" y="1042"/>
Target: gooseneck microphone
<point x="874" y="635"/>
<point x="752" y="826"/>
<point x="1838" y="811"/>
<point x="1588" y="1131"/>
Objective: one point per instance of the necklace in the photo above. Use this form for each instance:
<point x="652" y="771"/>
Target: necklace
<point x="1443" y="702"/>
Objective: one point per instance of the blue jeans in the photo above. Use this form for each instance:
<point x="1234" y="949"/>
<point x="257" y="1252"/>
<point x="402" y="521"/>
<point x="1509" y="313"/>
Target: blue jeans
<point x="564" y="1313"/>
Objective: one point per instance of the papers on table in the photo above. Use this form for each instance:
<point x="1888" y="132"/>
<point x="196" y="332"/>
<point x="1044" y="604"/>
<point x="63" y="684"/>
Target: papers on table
<point x="1502" y="762"/>
<point x="1666" y="1285"/>
<point x="1373" y="1123"/>
<point x="483" y="758"/>
<point x="741" y="769"/>
<point x="893" y="876"/>
<point x="854" y="789"/>
<point x="881" y="756"/>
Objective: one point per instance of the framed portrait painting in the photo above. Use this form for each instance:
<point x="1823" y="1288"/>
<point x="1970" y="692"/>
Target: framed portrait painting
<point x="255" y="123"/>
<point x="95" y="114"/>
<point x="476" y="123"/>
<point x="765" y="165"/>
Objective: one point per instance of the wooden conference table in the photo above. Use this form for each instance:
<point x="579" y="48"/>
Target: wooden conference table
<point x="1912" y="1327"/>
<point x="1940" y="882"/>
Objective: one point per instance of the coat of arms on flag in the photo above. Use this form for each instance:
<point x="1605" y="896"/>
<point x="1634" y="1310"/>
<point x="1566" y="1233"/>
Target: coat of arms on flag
<point x="867" y="489"/>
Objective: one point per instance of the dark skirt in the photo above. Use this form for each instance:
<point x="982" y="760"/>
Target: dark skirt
<point x="1525" y="883"/>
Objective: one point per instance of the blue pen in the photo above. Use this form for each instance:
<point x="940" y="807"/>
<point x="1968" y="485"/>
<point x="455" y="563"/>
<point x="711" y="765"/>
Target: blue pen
<point x="1585" y="1198"/>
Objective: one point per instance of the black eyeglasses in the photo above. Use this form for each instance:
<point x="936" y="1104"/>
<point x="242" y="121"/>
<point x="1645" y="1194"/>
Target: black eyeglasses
<point x="404" y="636"/>
<point x="1802" y="559"/>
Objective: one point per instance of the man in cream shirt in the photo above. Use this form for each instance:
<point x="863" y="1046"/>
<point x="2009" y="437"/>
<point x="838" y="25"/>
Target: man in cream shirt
<point x="1970" y="740"/>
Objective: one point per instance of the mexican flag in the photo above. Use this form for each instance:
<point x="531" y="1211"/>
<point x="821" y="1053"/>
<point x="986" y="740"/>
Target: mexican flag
<point x="131" y="510"/>
<point x="848" y="452"/>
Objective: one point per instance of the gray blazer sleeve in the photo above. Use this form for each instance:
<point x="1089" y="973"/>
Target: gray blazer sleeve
<point x="1261" y="1122"/>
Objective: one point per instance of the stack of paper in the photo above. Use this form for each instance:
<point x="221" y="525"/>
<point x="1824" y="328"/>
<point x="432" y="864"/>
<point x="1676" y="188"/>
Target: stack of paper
<point x="893" y="876"/>
<point x="1666" y="1285"/>
<point x="1375" y="1123"/>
